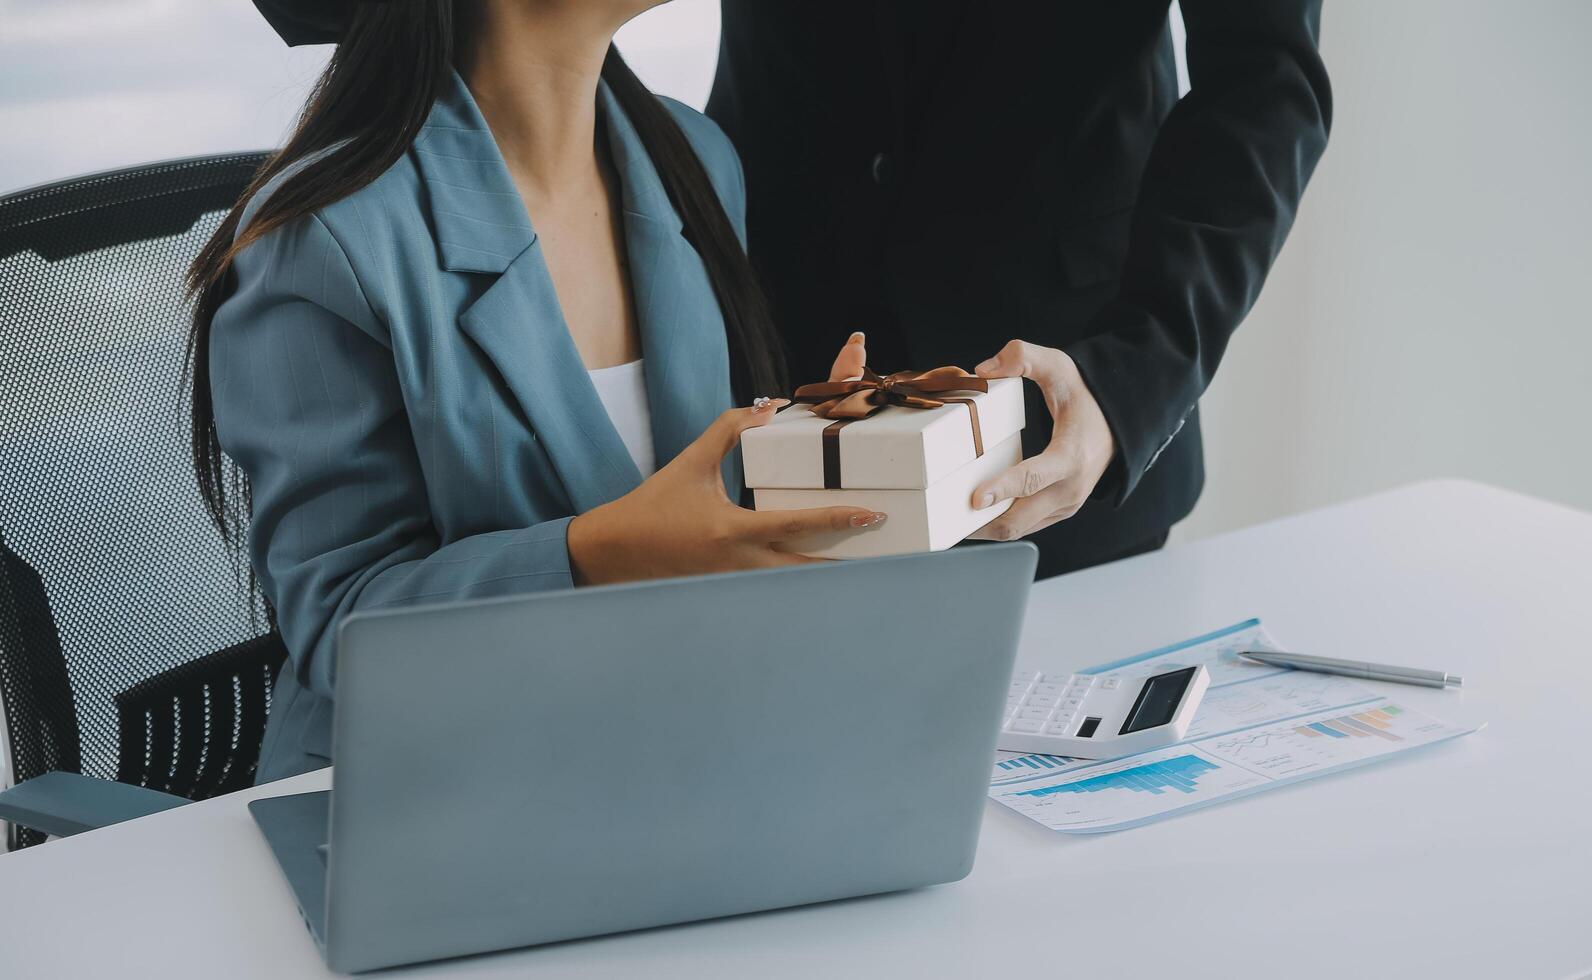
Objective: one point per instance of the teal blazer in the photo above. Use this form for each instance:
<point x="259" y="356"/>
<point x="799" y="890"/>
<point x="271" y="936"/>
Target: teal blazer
<point x="395" y="377"/>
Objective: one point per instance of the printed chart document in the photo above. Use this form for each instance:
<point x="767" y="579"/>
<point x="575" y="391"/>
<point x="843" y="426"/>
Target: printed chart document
<point x="1257" y="727"/>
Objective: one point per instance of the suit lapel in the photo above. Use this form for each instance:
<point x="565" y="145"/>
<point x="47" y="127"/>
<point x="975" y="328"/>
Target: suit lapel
<point x="482" y="227"/>
<point x="476" y="213"/>
<point x="517" y="323"/>
<point x="682" y="331"/>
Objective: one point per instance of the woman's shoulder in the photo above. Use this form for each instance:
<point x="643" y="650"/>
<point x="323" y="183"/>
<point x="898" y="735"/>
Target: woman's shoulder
<point x="709" y="141"/>
<point x="716" y="152"/>
<point x="357" y="220"/>
<point x="712" y="145"/>
<point x="345" y="254"/>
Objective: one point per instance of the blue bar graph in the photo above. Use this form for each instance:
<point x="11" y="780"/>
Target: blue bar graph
<point x="1031" y="762"/>
<point x="1179" y="773"/>
<point x="1326" y="730"/>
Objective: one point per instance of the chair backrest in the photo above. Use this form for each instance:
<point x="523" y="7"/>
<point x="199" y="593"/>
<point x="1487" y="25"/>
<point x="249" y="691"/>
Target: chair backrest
<point x="129" y="646"/>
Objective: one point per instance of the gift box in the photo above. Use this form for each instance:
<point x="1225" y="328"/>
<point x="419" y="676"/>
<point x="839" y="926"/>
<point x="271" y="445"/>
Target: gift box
<point x="909" y="445"/>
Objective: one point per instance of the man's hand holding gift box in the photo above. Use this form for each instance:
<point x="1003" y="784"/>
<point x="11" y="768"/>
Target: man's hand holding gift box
<point x="1054" y="484"/>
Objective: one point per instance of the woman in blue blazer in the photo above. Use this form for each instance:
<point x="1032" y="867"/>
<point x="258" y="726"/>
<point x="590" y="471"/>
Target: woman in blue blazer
<point x="418" y="380"/>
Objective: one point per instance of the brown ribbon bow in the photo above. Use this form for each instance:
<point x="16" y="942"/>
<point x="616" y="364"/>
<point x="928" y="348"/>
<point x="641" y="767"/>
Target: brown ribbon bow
<point x="850" y="401"/>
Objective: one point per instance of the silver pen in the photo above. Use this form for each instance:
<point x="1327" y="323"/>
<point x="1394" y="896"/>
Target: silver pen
<point x="1355" y="668"/>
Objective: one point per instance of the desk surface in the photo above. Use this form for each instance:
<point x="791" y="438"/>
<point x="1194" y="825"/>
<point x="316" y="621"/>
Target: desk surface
<point x="1469" y="859"/>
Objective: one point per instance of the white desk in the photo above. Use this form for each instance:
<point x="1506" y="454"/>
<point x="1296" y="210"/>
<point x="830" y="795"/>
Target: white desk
<point x="1470" y="859"/>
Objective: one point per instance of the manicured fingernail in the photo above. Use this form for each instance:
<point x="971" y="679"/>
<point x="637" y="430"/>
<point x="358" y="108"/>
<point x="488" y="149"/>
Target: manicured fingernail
<point x="985" y="500"/>
<point x="867" y="520"/>
<point x="761" y="402"/>
<point x="857" y="338"/>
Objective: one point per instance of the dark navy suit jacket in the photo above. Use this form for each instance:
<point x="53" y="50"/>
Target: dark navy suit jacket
<point x="949" y="174"/>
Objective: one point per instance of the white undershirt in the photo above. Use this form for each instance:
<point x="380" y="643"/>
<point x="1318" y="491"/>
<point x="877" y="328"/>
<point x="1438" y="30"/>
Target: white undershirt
<point x="623" y="391"/>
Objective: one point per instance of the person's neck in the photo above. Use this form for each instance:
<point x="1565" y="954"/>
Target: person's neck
<point x="533" y="71"/>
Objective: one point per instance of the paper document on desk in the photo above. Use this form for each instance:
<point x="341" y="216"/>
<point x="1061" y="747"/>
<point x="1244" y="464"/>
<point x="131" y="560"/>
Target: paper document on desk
<point x="1258" y="727"/>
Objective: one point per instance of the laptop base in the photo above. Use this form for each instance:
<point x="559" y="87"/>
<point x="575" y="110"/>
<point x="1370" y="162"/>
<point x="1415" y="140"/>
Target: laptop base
<point x="296" y="828"/>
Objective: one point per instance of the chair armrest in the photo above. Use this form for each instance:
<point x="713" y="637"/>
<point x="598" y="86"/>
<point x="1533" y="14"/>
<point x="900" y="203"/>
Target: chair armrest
<point x="65" y="803"/>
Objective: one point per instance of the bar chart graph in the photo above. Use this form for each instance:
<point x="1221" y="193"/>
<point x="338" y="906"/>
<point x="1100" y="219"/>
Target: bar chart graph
<point x="1363" y="724"/>
<point x="1325" y="741"/>
<point x="1032" y="763"/>
<point x="1091" y="797"/>
<point x="1028" y="768"/>
<point x="1180" y="773"/>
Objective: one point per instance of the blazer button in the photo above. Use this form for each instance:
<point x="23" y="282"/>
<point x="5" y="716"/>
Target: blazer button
<point x="881" y="168"/>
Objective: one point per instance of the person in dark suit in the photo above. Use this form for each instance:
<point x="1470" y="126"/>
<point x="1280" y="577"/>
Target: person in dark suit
<point x="946" y="175"/>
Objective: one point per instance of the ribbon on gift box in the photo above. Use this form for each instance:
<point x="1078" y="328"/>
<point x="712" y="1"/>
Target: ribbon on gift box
<point x="851" y="401"/>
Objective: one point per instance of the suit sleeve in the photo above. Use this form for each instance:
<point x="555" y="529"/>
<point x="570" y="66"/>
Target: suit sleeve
<point x="307" y="403"/>
<point x="1218" y="196"/>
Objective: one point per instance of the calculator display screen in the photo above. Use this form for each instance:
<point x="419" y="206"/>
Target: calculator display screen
<point x="1158" y="700"/>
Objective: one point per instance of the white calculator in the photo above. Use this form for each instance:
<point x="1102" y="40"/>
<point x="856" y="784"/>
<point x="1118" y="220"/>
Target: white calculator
<point x="1090" y="716"/>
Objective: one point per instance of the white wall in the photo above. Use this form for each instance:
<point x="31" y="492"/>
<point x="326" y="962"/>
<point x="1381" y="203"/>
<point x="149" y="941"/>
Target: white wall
<point x="1426" y="318"/>
<point x="1429" y="316"/>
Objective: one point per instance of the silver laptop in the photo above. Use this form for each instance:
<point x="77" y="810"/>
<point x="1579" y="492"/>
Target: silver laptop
<point x="524" y="770"/>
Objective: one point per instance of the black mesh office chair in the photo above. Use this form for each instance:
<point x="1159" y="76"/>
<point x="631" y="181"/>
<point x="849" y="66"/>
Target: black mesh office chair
<point x="130" y="652"/>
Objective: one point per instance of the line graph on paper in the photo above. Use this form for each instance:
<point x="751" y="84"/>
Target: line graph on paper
<point x="1273" y="698"/>
<point x="1219" y="654"/>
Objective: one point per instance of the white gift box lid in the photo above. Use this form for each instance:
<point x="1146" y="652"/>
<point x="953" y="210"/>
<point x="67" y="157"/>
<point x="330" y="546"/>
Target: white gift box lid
<point x="895" y="448"/>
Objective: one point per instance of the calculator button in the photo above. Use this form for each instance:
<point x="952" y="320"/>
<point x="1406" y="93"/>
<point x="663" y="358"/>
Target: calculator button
<point x="1056" y="730"/>
<point x="1034" y="714"/>
<point x="1111" y="683"/>
<point x="1041" y="701"/>
<point x="1082" y="680"/>
<point x="1025" y="726"/>
<point x="1071" y="703"/>
<point x="1047" y="688"/>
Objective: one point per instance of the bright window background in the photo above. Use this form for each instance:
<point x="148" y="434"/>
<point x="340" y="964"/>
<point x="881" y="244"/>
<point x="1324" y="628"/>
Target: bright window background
<point x="89" y="85"/>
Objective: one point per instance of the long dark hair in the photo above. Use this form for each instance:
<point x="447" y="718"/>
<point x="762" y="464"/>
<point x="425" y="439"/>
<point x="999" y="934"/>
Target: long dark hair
<point x="370" y="103"/>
